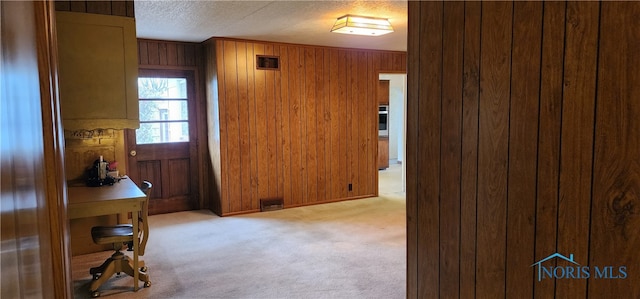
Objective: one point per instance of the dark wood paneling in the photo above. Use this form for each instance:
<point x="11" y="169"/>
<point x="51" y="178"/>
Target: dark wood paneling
<point x="493" y="148"/>
<point x="300" y="132"/>
<point x="615" y="226"/>
<point x="116" y="8"/>
<point x="469" y="176"/>
<point x="428" y="139"/>
<point x="549" y="138"/>
<point x="414" y="39"/>
<point x="548" y="156"/>
<point x="168" y="54"/>
<point x="576" y="152"/>
<point x="450" y="148"/>
<point x="523" y="138"/>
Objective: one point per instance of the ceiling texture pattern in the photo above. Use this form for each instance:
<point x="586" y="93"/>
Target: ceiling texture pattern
<point x="297" y="22"/>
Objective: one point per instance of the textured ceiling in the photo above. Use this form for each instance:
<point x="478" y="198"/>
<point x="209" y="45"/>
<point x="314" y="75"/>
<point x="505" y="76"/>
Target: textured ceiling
<point x="299" y="22"/>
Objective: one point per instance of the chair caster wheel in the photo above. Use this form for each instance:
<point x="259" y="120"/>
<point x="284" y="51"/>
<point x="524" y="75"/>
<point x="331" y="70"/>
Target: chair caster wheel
<point x="147" y="284"/>
<point x="95" y="294"/>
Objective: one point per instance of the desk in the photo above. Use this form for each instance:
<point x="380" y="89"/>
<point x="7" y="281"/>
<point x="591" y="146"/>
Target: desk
<point x="121" y="198"/>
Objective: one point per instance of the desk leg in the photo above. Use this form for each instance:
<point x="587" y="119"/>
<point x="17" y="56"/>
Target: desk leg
<point x="136" y="268"/>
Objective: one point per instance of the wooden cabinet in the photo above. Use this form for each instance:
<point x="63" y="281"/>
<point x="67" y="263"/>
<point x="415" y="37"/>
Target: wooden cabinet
<point x="383" y="153"/>
<point x="98" y="71"/>
<point x="383" y="92"/>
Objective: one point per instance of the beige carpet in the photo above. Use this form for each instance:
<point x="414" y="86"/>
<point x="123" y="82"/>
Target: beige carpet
<point x="350" y="249"/>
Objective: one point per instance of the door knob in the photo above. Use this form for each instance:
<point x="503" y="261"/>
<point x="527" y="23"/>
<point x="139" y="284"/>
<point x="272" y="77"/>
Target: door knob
<point x="133" y="153"/>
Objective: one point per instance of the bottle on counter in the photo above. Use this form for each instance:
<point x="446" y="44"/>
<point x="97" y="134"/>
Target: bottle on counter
<point x="102" y="169"/>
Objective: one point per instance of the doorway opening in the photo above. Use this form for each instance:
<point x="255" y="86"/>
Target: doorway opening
<point x="393" y="178"/>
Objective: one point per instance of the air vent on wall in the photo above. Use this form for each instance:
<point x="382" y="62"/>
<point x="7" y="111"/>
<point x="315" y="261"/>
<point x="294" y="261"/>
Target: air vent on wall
<point x="264" y="62"/>
<point x="271" y="204"/>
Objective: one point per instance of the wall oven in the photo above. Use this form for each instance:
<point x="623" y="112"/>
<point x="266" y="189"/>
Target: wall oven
<point x="383" y="120"/>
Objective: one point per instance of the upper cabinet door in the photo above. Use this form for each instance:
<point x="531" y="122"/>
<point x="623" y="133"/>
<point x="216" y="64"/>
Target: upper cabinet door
<point x="98" y="71"/>
<point x="383" y="92"/>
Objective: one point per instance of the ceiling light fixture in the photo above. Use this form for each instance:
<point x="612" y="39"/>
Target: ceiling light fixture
<point x="351" y="24"/>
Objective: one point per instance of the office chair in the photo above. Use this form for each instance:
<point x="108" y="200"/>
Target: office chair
<point x="119" y="235"/>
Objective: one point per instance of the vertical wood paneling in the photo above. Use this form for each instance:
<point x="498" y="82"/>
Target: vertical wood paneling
<point x="224" y="133"/>
<point x="303" y="132"/>
<point x="493" y="148"/>
<point x="428" y="139"/>
<point x="181" y="54"/>
<point x="162" y="54"/>
<point x="233" y="126"/>
<point x="279" y="126"/>
<point x="342" y="126"/>
<point x="414" y="75"/>
<point x="523" y="139"/>
<point x="119" y="8"/>
<point x="351" y="103"/>
<point x="549" y="139"/>
<point x="253" y="136"/>
<point x="243" y="127"/>
<point x="549" y="149"/>
<point x="311" y="129"/>
<point x="470" y="104"/>
<point x="272" y="124"/>
<point x="614" y="225"/>
<point x="99" y="7"/>
<point x="578" y="109"/>
<point x="334" y="111"/>
<point x="116" y="8"/>
<point x="287" y="141"/>
<point x="78" y="6"/>
<point x="450" y="148"/>
<point x="143" y="55"/>
<point x="326" y="124"/>
<point x="364" y="172"/>
<point x="295" y="124"/>
<point x="261" y="146"/>
<point x="153" y="53"/>
<point x="322" y="181"/>
<point x="167" y="53"/>
<point x="171" y="54"/>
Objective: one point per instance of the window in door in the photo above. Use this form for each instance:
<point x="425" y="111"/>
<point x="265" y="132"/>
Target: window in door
<point x="164" y="115"/>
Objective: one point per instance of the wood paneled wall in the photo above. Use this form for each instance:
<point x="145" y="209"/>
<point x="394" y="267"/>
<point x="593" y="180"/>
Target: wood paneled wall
<point x="116" y="8"/>
<point x="302" y="133"/>
<point x="522" y="142"/>
<point x="158" y="53"/>
<point x="170" y="55"/>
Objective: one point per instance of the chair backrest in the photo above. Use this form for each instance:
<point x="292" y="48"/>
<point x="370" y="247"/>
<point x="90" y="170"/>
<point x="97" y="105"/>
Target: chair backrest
<point x="143" y="216"/>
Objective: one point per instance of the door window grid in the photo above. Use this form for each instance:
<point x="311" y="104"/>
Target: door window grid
<point x="163" y="111"/>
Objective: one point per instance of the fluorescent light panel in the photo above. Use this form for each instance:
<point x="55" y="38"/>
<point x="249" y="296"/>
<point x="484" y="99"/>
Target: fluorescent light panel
<point x="351" y="24"/>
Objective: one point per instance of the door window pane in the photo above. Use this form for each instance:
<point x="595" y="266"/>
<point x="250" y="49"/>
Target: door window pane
<point x="162" y="88"/>
<point x="163" y="110"/>
<point x="162" y="132"/>
<point x="154" y="110"/>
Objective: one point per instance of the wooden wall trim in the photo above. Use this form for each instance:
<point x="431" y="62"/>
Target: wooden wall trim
<point x="53" y="138"/>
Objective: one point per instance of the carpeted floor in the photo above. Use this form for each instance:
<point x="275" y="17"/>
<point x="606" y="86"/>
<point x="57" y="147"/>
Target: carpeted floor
<point x="350" y="249"/>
